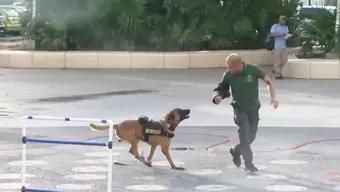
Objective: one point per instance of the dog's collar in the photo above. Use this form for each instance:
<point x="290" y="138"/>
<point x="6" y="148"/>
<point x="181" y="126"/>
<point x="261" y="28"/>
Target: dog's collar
<point x="172" y="127"/>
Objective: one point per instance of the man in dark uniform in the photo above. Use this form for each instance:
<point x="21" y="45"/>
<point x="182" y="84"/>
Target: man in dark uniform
<point x="243" y="81"/>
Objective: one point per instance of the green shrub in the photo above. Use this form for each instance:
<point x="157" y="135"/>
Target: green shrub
<point x="170" y="25"/>
<point x="320" y="31"/>
<point x="337" y="45"/>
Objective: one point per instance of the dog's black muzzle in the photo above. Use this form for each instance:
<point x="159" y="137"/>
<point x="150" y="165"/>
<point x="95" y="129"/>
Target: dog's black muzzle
<point x="185" y="114"/>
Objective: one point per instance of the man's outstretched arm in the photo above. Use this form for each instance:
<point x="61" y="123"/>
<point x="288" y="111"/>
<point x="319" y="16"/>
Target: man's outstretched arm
<point x="271" y="91"/>
<point x="221" y="91"/>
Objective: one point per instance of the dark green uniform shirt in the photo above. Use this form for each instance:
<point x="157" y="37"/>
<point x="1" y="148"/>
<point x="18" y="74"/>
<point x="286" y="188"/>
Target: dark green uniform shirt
<point x="244" y="86"/>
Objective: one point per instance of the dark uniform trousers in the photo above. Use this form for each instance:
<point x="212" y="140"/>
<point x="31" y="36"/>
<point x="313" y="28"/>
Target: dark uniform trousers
<point x="247" y="119"/>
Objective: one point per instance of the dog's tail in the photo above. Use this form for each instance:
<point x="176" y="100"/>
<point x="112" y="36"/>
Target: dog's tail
<point x="95" y="127"/>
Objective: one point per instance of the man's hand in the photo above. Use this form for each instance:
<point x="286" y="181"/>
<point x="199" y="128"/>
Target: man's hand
<point x="272" y="96"/>
<point x="217" y="100"/>
<point x="278" y="35"/>
<point x="275" y="103"/>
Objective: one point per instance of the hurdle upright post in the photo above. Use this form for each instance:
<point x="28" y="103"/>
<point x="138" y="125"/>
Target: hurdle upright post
<point x="23" y="160"/>
<point x="110" y="159"/>
<point x="25" y="140"/>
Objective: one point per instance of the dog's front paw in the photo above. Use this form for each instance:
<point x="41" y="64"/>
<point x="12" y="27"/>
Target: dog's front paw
<point x="148" y="163"/>
<point x="140" y="158"/>
<point x="178" y="168"/>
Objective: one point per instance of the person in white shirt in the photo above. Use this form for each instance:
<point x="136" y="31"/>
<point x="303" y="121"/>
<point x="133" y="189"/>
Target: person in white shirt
<point x="280" y="32"/>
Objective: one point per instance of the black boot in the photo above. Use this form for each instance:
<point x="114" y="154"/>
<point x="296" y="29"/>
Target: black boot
<point x="280" y="77"/>
<point x="251" y="168"/>
<point x="236" y="157"/>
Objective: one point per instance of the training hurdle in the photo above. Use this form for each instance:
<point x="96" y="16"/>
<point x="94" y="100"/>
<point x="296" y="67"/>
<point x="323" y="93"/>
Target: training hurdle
<point x="26" y="140"/>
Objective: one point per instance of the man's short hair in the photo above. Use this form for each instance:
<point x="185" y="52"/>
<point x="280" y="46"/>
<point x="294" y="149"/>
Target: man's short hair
<point x="233" y="58"/>
<point x="283" y="17"/>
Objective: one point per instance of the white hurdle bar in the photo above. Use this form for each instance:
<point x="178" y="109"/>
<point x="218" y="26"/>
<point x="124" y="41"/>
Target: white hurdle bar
<point x="26" y="140"/>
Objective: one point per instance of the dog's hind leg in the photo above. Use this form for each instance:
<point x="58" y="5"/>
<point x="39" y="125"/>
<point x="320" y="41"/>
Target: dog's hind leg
<point x="152" y="152"/>
<point x="166" y="152"/>
<point x="131" y="150"/>
<point x="134" y="151"/>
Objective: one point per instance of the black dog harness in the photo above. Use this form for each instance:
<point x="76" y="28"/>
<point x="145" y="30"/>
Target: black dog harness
<point x="150" y="127"/>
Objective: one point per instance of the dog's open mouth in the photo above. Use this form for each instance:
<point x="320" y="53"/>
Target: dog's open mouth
<point x="185" y="114"/>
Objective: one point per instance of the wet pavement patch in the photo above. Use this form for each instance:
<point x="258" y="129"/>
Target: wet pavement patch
<point x="71" y="186"/>
<point x="73" y="98"/>
<point x="214" y="188"/>
<point x="4" y="112"/>
<point x="166" y="163"/>
<point x="288" y="162"/>
<point x="285" y="188"/>
<point x="92" y="161"/>
<point x="101" y="154"/>
<point x="260" y="167"/>
<point x="85" y="177"/>
<point x="147" y="188"/>
<point x="305" y="152"/>
<point x="10" y="186"/>
<point x="206" y="172"/>
<point x="33" y="163"/>
<point x="267" y="177"/>
<point x="13" y="176"/>
<point x="12" y="153"/>
<point x="147" y="178"/>
<point x="90" y="169"/>
<point x="182" y="149"/>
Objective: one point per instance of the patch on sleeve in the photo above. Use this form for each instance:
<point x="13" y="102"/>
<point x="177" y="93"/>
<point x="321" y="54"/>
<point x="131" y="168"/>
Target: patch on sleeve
<point x="250" y="79"/>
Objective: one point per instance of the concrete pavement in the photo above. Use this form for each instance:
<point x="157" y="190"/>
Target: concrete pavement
<point x="300" y="157"/>
<point x="121" y="94"/>
<point x="296" y="148"/>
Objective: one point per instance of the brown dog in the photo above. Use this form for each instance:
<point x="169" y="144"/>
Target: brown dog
<point x="132" y="131"/>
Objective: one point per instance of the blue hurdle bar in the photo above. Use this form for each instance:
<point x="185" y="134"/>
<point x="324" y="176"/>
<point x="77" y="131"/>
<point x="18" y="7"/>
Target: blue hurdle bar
<point x="36" y="190"/>
<point x="26" y="140"/>
<point x="52" y="141"/>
